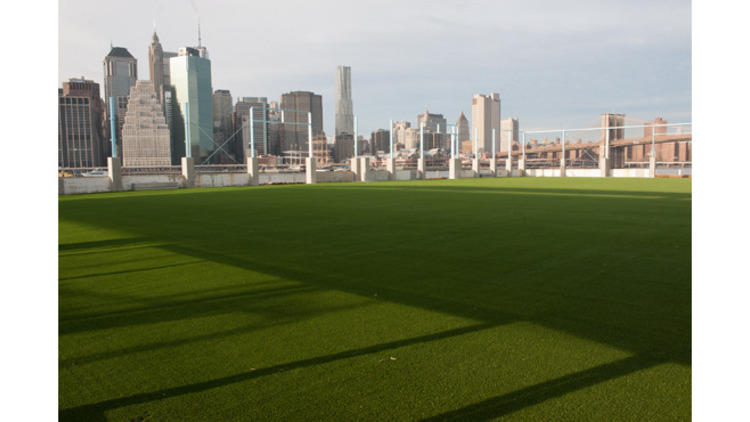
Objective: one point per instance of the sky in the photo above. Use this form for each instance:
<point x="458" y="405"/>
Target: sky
<point x="555" y="64"/>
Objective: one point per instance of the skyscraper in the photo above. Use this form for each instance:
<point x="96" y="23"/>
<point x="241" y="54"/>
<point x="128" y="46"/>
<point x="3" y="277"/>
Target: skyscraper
<point x="120" y="73"/>
<point x="411" y="138"/>
<point x="509" y="128"/>
<point x="156" y="66"/>
<point x="145" y="134"/>
<point x="380" y="140"/>
<point x="464" y="132"/>
<point x="260" y="129"/>
<point x="222" y="105"/>
<point x="485" y="116"/>
<point x="169" y="103"/>
<point x="433" y="123"/>
<point x="80" y="113"/>
<point x="343" y="147"/>
<point x="190" y="76"/>
<point x="344" y="107"/>
<point x="399" y="133"/>
<point x="273" y="130"/>
<point x="166" y="55"/>
<point x="294" y="137"/>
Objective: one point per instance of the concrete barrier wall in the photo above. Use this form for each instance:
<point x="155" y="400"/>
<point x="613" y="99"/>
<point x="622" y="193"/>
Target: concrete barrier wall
<point x="73" y="185"/>
<point x="216" y="180"/>
<point x="583" y="173"/>
<point x="674" y="172"/>
<point x="436" y="174"/>
<point x="379" y="175"/>
<point x="78" y="185"/>
<point x="406" y="174"/>
<point x="147" y="179"/>
<point x="326" y="176"/>
<point x="543" y="173"/>
<point x="629" y="172"/>
<point x="266" y="178"/>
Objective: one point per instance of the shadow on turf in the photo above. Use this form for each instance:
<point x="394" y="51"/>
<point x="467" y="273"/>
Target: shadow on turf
<point x="100" y="243"/>
<point x="293" y="315"/>
<point x="95" y="411"/>
<point x="653" y="343"/>
<point x="136" y="270"/>
<point x="569" y="311"/>
<point x="508" y="403"/>
<point x="250" y="300"/>
<point x="566" y="315"/>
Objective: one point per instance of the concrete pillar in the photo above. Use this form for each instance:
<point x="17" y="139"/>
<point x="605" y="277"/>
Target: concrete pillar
<point x="355" y="167"/>
<point x="475" y="167"/>
<point x="604" y="155"/>
<point x="454" y="168"/>
<point x="252" y="171"/>
<point x="188" y="171"/>
<point x="652" y="166"/>
<point x="604" y="166"/>
<point x="420" y="168"/>
<point x="311" y="175"/>
<point x="522" y="166"/>
<point x="390" y="165"/>
<point x="364" y="168"/>
<point x="493" y="166"/>
<point x="509" y="164"/>
<point x="562" y="167"/>
<point x="114" y="172"/>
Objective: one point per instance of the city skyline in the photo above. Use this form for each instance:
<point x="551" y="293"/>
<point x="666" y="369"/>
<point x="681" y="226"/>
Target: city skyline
<point x="553" y="66"/>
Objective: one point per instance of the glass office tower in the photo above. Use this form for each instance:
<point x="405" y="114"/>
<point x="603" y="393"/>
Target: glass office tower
<point x="190" y="78"/>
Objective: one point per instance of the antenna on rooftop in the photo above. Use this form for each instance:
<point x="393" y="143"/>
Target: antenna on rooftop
<point x="199" y="32"/>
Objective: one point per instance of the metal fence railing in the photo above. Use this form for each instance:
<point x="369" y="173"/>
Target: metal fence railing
<point x="436" y="163"/>
<point x="623" y="146"/>
<point x="619" y="146"/>
<point x="142" y="171"/>
<point x="82" y="172"/>
<point x="221" y="168"/>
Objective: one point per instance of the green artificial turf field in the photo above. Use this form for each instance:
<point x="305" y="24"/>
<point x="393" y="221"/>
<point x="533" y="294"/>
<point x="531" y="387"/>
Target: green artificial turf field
<point x="474" y="299"/>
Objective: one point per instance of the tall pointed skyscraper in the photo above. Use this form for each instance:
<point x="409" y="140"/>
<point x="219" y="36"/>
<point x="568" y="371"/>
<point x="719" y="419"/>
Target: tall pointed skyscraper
<point x="464" y="133"/>
<point x="156" y="66"/>
<point x="344" y="107"/>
